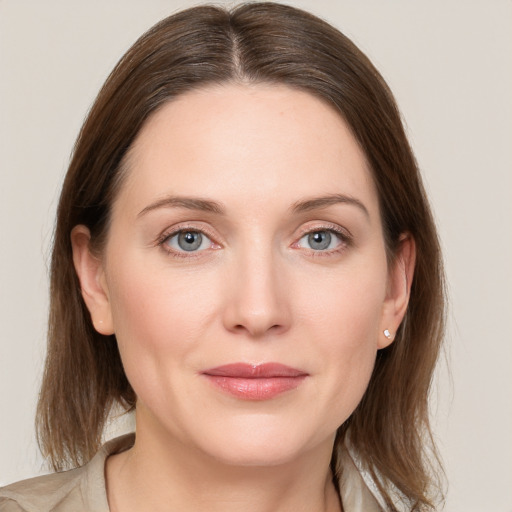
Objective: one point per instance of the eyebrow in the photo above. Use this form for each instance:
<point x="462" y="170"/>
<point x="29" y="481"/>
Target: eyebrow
<point x="207" y="205"/>
<point x="190" y="203"/>
<point x="318" y="203"/>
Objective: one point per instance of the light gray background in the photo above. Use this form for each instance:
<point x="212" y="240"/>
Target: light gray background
<point x="449" y="64"/>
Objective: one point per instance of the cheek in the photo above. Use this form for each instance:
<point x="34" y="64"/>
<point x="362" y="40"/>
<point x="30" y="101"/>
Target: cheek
<point x="347" y="307"/>
<point x="344" y="321"/>
<point x="157" y="320"/>
<point x="154" y="301"/>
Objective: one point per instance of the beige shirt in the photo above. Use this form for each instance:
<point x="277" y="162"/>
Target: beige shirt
<point x="83" y="489"/>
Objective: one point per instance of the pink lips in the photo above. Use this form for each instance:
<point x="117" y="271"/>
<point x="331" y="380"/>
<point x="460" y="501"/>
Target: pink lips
<point x="255" y="382"/>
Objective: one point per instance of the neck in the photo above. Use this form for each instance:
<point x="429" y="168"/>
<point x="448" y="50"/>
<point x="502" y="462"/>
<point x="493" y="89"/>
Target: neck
<point x="162" y="474"/>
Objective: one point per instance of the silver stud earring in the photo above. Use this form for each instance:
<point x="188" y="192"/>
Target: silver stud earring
<point x="387" y="334"/>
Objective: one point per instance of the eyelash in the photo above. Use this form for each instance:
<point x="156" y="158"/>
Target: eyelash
<point x="343" y="236"/>
<point x="167" y="235"/>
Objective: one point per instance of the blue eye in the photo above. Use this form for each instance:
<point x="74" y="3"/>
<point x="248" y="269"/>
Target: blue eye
<point x="322" y="240"/>
<point x="188" y="241"/>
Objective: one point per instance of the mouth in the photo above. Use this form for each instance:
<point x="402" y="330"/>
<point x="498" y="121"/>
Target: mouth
<point x="255" y="382"/>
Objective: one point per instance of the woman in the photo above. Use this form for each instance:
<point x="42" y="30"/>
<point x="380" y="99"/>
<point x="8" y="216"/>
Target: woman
<point x="244" y="254"/>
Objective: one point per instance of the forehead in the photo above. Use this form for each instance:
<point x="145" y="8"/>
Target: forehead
<point x="240" y="142"/>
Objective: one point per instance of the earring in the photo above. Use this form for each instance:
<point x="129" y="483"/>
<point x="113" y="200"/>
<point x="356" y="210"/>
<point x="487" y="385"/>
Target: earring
<point x="387" y="334"/>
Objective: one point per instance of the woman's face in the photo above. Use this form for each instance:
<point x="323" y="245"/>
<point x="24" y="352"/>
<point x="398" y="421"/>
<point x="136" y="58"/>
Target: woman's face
<point x="245" y="273"/>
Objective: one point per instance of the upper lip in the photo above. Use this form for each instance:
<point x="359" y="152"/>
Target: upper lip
<point x="254" y="371"/>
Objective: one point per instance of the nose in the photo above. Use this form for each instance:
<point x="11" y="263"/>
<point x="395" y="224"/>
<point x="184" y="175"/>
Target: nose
<point x="258" y="299"/>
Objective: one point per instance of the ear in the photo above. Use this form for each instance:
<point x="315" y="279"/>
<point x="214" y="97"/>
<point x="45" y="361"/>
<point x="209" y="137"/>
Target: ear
<point x="91" y="275"/>
<point x="400" y="278"/>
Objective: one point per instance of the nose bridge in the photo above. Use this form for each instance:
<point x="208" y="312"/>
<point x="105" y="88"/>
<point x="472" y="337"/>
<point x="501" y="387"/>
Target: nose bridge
<point x="257" y="303"/>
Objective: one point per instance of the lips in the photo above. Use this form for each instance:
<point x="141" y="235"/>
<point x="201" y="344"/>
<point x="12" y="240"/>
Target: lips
<point x="255" y="382"/>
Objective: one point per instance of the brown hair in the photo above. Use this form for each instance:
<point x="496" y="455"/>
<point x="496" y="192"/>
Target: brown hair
<point x="256" y="43"/>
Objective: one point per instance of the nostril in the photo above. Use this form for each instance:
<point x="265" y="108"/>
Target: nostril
<point x="258" y="330"/>
<point x="255" y="307"/>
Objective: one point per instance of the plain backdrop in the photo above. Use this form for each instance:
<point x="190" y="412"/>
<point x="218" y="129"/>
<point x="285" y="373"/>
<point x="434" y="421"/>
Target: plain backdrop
<point x="449" y="64"/>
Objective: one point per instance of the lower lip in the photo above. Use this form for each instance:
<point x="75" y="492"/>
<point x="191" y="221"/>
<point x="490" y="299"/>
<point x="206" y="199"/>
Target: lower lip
<point x="263" y="388"/>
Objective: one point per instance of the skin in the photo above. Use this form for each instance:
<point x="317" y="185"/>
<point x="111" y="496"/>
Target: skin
<point x="256" y="291"/>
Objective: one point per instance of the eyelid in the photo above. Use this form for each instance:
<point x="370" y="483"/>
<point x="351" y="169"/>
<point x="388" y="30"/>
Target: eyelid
<point x="343" y="234"/>
<point x="185" y="226"/>
<point x="312" y="227"/>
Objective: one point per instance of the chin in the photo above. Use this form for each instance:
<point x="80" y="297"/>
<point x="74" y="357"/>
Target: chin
<point x="264" y="442"/>
<point x="250" y="455"/>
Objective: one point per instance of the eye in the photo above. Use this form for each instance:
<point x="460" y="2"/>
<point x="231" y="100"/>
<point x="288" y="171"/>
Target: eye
<point x="188" y="241"/>
<point x="322" y="240"/>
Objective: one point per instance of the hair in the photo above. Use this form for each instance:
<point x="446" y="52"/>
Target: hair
<point x="253" y="43"/>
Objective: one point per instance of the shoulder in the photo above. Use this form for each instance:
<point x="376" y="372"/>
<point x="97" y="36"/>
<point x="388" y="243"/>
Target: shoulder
<point x="358" y="488"/>
<point x="78" y="490"/>
<point x="41" y="494"/>
<point x="7" y="505"/>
